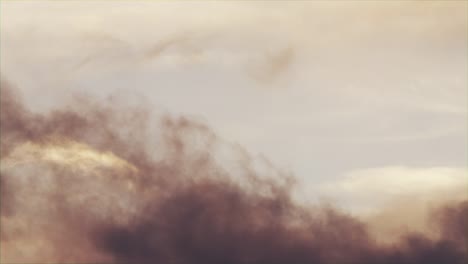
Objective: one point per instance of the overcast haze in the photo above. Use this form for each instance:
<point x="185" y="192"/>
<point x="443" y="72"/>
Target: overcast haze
<point x="346" y="94"/>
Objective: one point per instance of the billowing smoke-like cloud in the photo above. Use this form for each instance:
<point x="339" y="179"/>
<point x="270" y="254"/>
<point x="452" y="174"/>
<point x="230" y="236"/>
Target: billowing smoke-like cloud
<point x="101" y="184"/>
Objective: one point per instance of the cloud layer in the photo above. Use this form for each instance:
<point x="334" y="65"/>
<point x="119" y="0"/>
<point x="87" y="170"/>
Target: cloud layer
<point x="338" y="91"/>
<point x="89" y="186"/>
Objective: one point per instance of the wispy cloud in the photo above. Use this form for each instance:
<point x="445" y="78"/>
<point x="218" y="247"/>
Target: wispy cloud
<point x="376" y="187"/>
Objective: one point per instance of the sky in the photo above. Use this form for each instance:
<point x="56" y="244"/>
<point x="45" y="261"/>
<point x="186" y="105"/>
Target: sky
<point x="363" y="101"/>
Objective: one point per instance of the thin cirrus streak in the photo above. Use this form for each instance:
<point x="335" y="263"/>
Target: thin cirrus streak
<point x="88" y="186"/>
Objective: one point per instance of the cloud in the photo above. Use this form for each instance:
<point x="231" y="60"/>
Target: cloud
<point x="376" y="187"/>
<point x="89" y="185"/>
<point x="309" y="29"/>
<point x="272" y="65"/>
<point x="394" y="200"/>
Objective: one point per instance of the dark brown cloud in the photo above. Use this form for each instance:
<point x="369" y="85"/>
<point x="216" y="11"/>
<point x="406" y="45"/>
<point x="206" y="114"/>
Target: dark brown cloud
<point x="111" y="185"/>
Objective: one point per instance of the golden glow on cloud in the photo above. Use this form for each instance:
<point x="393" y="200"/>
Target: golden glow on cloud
<point x="67" y="153"/>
